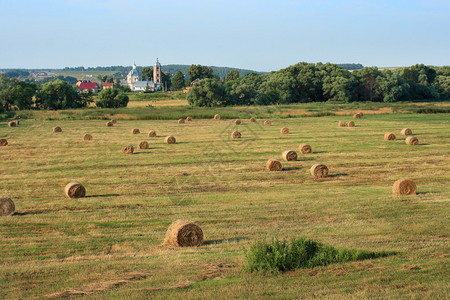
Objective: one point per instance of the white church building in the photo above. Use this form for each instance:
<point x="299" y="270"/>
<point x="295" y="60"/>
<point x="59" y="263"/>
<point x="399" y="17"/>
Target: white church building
<point x="135" y="82"/>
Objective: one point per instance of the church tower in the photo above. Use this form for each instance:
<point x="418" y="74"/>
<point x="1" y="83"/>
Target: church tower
<point x="157" y="78"/>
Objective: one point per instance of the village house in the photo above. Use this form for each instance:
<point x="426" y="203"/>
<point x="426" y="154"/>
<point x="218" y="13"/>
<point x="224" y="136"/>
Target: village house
<point x="135" y="82"/>
<point x="85" y="87"/>
<point x="108" y="85"/>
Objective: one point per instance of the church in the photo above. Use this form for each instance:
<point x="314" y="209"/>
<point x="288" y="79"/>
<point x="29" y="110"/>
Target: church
<point x="135" y="82"/>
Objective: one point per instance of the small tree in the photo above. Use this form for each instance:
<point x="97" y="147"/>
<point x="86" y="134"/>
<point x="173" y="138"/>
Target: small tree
<point x="111" y="98"/>
<point x="178" y="81"/>
<point x="206" y="92"/>
<point x="232" y="75"/>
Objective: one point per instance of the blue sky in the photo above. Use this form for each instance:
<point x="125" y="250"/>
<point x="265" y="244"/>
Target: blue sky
<point x="258" y="35"/>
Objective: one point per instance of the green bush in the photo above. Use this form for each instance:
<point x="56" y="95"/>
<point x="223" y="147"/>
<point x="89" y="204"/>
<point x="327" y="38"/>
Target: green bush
<point x="111" y="98"/>
<point x="300" y="253"/>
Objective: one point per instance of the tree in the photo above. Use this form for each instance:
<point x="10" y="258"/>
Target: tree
<point x="232" y="75"/>
<point x="58" y="95"/>
<point x="206" y="92"/>
<point x="178" y="81"/>
<point x="147" y="73"/>
<point x="102" y="78"/>
<point x="199" y="72"/>
<point x="111" y="98"/>
<point x="165" y="80"/>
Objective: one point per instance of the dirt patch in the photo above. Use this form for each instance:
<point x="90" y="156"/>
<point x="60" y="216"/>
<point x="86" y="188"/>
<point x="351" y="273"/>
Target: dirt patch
<point x="411" y="267"/>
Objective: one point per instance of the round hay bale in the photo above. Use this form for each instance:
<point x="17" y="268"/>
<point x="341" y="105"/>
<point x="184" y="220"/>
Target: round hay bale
<point x="289" y="155"/>
<point x="389" y="136"/>
<point x="135" y="131"/>
<point x="406" y="131"/>
<point x="342" y="124"/>
<point x="252" y="120"/>
<point x="319" y="171"/>
<point x="12" y="124"/>
<point x="109" y="124"/>
<point x="267" y="123"/>
<point x="87" y="137"/>
<point x="183" y="233"/>
<point x="361" y="114"/>
<point x="284" y="130"/>
<point x="412" y="140"/>
<point x="7" y="206"/>
<point x="17" y="122"/>
<point x="180" y="121"/>
<point x="143" y="145"/>
<point x="216" y="117"/>
<point x="236" y="135"/>
<point x="170" y="140"/>
<point x="128" y="149"/>
<point x="152" y="133"/>
<point x="305" y="148"/>
<point x="57" y="129"/>
<point x="357" y="116"/>
<point x="189" y="119"/>
<point x="75" y="190"/>
<point x="237" y="122"/>
<point x="3" y="142"/>
<point x="273" y="165"/>
<point x="351" y="124"/>
<point x="404" y="187"/>
<point x="114" y="121"/>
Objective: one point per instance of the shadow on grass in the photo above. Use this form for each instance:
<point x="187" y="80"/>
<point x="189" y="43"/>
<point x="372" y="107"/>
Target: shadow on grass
<point x="337" y="175"/>
<point x="221" y="241"/>
<point x="291" y="169"/>
<point x="31" y="212"/>
<point x="317" y="152"/>
<point x="105" y="195"/>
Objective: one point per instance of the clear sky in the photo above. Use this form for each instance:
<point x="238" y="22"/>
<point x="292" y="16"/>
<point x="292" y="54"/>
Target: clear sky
<point x="258" y="35"/>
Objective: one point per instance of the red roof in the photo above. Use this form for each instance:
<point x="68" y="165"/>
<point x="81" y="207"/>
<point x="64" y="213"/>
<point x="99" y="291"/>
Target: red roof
<point x="108" y="84"/>
<point x="87" y="86"/>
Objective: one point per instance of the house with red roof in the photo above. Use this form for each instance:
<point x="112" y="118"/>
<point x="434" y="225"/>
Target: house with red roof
<point x="86" y="87"/>
<point x="108" y="85"/>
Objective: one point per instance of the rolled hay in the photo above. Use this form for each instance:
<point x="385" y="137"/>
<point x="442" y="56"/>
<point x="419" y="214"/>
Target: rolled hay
<point x="180" y="121"/>
<point x="319" y="171"/>
<point x="305" y="148"/>
<point x="236" y="135"/>
<point x="389" y="136"/>
<point x="252" y="120"/>
<point x="57" y="129"/>
<point x="7" y="206"/>
<point x="128" y="149"/>
<point x="267" y="123"/>
<point x="406" y="131"/>
<point x="17" y="122"/>
<point x="361" y="113"/>
<point x="135" y="131"/>
<point x="342" y="124"/>
<point x="3" y="142"/>
<point x="87" y="137"/>
<point x="152" y="133"/>
<point x="143" y="145"/>
<point x="284" y="130"/>
<point x="237" y="122"/>
<point x="289" y="155"/>
<point x="273" y="165"/>
<point x="75" y="190"/>
<point x="12" y="124"/>
<point x="114" y="121"/>
<point x="170" y="139"/>
<point x="357" y="116"/>
<point x="412" y="140"/>
<point x="183" y="233"/>
<point x="216" y="117"/>
<point x="351" y="124"/>
<point x="109" y="124"/>
<point x="189" y="119"/>
<point x="404" y="187"/>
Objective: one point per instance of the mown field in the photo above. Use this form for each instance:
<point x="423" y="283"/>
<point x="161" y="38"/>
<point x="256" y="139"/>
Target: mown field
<point x="108" y="244"/>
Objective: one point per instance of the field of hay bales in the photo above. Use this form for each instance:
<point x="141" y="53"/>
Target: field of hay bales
<point x="108" y="244"/>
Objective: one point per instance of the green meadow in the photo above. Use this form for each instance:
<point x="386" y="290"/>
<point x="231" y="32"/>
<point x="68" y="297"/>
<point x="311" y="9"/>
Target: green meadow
<point x="108" y="244"/>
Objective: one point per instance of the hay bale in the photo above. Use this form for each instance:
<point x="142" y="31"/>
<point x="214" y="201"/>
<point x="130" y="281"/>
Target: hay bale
<point x="252" y="120"/>
<point x="180" y="121"/>
<point x="135" y="131"/>
<point x="3" y="142"/>
<point x="305" y="148"/>
<point x="128" y="149"/>
<point x="183" y="233"/>
<point x="404" y="187"/>
<point x="236" y="135"/>
<point x="267" y="123"/>
<point x="406" y="131"/>
<point x="273" y="165"/>
<point x="389" y="136"/>
<point x="361" y="114"/>
<point x="143" y="145"/>
<point x="357" y="116"/>
<point x="342" y="124"/>
<point x="216" y="117"/>
<point x="87" y="137"/>
<point x="289" y="155"/>
<point x="17" y="122"/>
<point x="237" y="122"/>
<point x="319" y="171"/>
<point x="12" y="124"/>
<point x="351" y="124"/>
<point x="284" y="130"/>
<point x="152" y="133"/>
<point x="114" y="121"/>
<point x="170" y="140"/>
<point x="75" y="190"/>
<point x="7" y="206"/>
<point x="189" y="119"/>
<point x="109" y="124"/>
<point x="57" y="129"/>
<point x="412" y="140"/>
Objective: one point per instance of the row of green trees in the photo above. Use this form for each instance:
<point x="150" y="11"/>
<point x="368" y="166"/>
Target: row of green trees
<point x="307" y="82"/>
